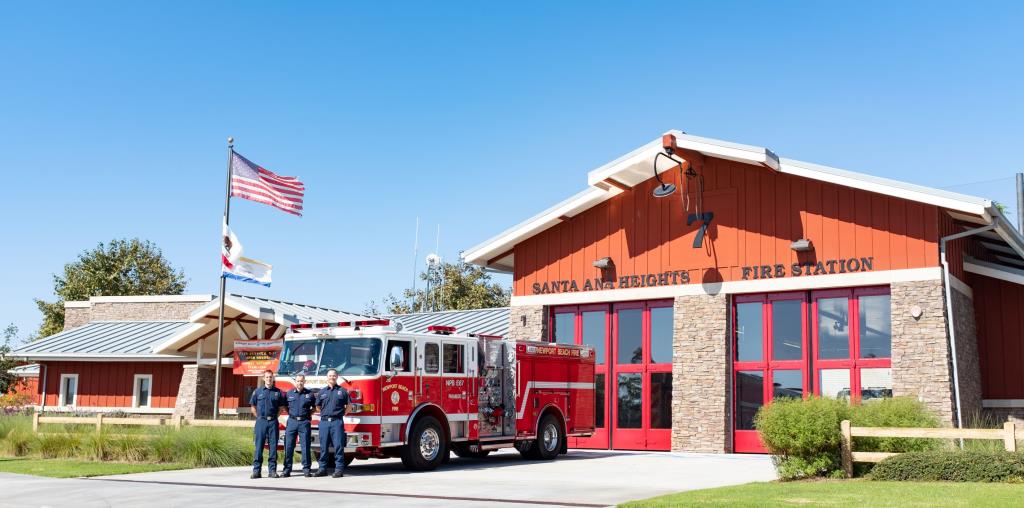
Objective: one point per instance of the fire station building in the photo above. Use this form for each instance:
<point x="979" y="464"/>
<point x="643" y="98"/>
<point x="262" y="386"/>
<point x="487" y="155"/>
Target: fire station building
<point x="712" y="277"/>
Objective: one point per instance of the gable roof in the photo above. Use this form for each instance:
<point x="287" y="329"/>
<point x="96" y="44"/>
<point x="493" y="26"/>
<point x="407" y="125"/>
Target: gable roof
<point x="104" y="339"/>
<point x="637" y="166"/>
<point x="492" y="321"/>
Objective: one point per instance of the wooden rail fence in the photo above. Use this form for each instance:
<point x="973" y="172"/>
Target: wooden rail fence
<point x="99" y="421"/>
<point x="1008" y="434"/>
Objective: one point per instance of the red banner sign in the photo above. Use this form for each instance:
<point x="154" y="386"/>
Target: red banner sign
<point x="252" y="357"/>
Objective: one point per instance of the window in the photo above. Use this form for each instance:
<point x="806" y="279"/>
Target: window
<point x="68" y="389"/>
<point x="661" y="335"/>
<point x="853" y="356"/>
<point x="142" y="390"/>
<point x="594" y="332"/>
<point x="431" y="358"/>
<point x="564" y="328"/>
<point x="395" y="348"/>
<point x="350" y="357"/>
<point x="453" y="359"/>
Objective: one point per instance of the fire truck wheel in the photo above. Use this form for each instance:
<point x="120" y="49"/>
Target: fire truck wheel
<point x="463" y="451"/>
<point x="349" y="458"/>
<point x="549" y="438"/>
<point x="427" y="447"/>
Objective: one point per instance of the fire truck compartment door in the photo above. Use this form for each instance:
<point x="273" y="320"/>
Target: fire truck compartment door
<point x="428" y="368"/>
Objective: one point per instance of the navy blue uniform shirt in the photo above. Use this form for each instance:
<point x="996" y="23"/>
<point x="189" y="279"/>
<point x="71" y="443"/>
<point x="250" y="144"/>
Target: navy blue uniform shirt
<point x="332" y="402"/>
<point x="267" y="401"/>
<point x="300" y="404"/>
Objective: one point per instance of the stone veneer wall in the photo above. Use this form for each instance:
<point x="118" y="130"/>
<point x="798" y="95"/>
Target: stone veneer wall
<point x="921" y="365"/>
<point x="75" y="315"/>
<point x="701" y="374"/>
<point x="528" y="322"/>
<point x="128" y="311"/>
<point x="968" y="363"/>
<point x="195" y="393"/>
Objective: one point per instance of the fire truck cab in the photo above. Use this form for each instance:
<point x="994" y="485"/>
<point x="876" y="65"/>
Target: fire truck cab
<point x="419" y="396"/>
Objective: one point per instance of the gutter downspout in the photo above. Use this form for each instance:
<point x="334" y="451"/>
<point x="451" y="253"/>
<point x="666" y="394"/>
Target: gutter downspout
<point x="949" y="311"/>
<point x="42" y="401"/>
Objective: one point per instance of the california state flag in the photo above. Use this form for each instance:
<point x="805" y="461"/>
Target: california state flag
<point x="235" y="266"/>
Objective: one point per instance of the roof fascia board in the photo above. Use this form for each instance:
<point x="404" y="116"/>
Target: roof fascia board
<point x="171" y="344"/>
<point x="509" y="238"/>
<point x="111" y="358"/>
<point x="951" y="200"/>
<point x="724" y="149"/>
<point x="993" y="270"/>
<point x="1005" y="230"/>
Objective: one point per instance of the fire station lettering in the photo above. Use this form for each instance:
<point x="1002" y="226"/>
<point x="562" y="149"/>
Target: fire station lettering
<point x="624" y="282"/>
<point x="827" y="267"/>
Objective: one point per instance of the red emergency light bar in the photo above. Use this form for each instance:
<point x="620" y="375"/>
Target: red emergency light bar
<point x="443" y="330"/>
<point x="301" y="325"/>
<point x="374" y="322"/>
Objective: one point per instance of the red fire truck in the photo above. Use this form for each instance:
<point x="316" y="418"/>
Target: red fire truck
<point x="420" y="395"/>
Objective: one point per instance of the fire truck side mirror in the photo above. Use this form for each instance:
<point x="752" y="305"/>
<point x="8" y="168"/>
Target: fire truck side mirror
<point x="397" y="360"/>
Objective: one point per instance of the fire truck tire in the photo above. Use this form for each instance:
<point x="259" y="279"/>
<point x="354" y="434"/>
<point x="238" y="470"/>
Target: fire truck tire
<point x="550" y="437"/>
<point x="349" y="458"/>
<point x="427" y="447"/>
<point x="464" y="452"/>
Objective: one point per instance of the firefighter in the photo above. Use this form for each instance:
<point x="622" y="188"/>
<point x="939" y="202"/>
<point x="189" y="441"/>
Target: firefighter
<point x="265" y="404"/>
<point x="300" y="408"/>
<point x="332" y="401"/>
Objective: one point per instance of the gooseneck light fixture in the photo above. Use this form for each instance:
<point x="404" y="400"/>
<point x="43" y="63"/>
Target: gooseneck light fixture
<point x="664" y="189"/>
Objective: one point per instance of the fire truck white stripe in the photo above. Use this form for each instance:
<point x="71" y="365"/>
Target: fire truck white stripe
<point x="549" y="385"/>
<point x="377" y="420"/>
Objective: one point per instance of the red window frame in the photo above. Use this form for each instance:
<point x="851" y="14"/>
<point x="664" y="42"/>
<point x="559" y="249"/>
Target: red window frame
<point x="854" y="362"/>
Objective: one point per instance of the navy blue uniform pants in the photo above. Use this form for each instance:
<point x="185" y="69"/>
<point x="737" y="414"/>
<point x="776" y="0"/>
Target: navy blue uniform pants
<point x="332" y="433"/>
<point x="266" y="433"/>
<point x="302" y="430"/>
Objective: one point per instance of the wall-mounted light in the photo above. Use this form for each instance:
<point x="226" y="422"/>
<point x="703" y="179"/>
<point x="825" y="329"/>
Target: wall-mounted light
<point x="603" y="263"/>
<point x="802" y="245"/>
<point x="664" y="189"/>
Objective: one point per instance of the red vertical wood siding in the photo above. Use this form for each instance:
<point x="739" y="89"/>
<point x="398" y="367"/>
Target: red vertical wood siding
<point x="758" y="213"/>
<point x="110" y="384"/>
<point x="997" y="308"/>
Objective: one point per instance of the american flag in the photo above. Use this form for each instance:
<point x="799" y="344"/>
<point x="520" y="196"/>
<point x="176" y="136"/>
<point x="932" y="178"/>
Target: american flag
<point x="252" y="182"/>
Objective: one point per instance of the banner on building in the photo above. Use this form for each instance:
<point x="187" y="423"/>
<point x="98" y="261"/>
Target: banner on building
<point x="252" y="357"/>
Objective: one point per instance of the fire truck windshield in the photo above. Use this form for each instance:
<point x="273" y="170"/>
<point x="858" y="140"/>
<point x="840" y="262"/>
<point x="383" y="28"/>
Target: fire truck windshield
<point x="351" y="357"/>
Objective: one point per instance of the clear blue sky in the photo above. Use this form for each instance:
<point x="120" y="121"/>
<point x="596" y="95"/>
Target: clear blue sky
<point x="471" y="115"/>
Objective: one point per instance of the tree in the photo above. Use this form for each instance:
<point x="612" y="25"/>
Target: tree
<point x="7" y="380"/>
<point x="449" y="286"/>
<point x="122" y="267"/>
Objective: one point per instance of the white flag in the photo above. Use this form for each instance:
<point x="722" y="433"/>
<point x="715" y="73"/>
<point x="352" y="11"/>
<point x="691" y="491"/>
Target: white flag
<point x="249" y="270"/>
<point x="230" y="249"/>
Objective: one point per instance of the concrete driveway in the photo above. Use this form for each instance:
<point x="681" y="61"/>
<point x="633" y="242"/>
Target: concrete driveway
<point x="581" y="478"/>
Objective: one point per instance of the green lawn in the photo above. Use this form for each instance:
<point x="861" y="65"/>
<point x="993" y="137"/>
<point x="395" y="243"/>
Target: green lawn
<point x="72" y="468"/>
<point x="860" y="493"/>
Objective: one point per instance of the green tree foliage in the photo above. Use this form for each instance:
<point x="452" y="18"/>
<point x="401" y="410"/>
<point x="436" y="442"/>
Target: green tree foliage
<point x="121" y="267"/>
<point x="448" y="286"/>
<point x="7" y="380"/>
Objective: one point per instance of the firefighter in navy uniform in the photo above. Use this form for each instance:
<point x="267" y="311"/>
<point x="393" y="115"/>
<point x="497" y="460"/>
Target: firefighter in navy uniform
<point x="301" y="402"/>
<point x="265" y="404"/>
<point x="332" y="401"/>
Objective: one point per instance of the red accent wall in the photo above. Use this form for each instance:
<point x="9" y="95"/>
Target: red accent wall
<point x="109" y="384"/>
<point x="758" y="213"/>
<point x="29" y="385"/>
<point x="997" y="307"/>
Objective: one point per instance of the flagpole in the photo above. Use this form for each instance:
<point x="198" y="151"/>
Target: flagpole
<point x="223" y="282"/>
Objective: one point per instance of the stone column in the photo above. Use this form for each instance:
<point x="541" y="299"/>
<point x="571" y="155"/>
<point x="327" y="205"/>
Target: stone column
<point x="195" y="393"/>
<point x="528" y="322"/>
<point x="968" y="362"/>
<point x="921" y="359"/>
<point x="701" y="374"/>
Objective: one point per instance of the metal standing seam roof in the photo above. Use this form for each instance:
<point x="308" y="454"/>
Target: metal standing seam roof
<point x="30" y="370"/>
<point x="303" y="313"/>
<point x="492" y="321"/>
<point x="105" y="338"/>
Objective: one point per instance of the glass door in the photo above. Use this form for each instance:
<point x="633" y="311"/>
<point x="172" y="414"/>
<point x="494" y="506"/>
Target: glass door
<point x="593" y="331"/>
<point x="769" y="358"/>
<point x="628" y="377"/>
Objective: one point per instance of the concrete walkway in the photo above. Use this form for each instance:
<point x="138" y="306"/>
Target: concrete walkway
<point x="581" y="478"/>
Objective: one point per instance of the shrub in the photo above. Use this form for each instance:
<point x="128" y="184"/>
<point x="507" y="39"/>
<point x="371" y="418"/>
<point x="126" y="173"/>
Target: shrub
<point x="803" y="435"/>
<point x="96" y="446"/>
<point x="130" y="448"/>
<point x="164" y="446"/>
<point x="895" y="412"/>
<point x="57" y="446"/>
<point x="212" y="447"/>
<point x="18" y="442"/>
<point x="951" y="466"/>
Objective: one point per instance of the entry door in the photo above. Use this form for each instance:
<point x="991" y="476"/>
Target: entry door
<point x="628" y="377"/>
<point x="594" y="323"/>
<point x="770" y="358"/>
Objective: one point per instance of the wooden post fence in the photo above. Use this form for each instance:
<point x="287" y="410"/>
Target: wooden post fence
<point x="1008" y="434"/>
<point x="100" y="420"/>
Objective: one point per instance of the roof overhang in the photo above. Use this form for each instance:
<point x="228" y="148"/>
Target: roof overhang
<point x="637" y="166"/>
<point x="242" y="320"/>
<point x="87" y="357"/>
